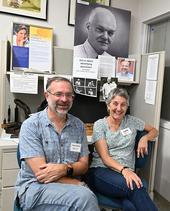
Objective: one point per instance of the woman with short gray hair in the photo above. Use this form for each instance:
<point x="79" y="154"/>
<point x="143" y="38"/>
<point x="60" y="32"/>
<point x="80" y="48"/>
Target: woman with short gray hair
<point x="117" y="92"/>
<point x="112" y="170"/>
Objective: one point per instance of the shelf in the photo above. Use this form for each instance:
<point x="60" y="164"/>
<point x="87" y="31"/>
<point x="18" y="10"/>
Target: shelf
<point x="40" y="75"/>
<point x="127" y="83"/>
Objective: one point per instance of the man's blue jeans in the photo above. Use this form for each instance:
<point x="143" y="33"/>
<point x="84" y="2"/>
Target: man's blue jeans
<point x="112" y="184"/>
<point x="58" y="197"/>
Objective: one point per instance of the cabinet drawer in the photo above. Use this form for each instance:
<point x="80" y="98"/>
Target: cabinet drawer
<point x="7" y="199"/>
<point x="9" y="177"/>
<point x="9" y="160"/>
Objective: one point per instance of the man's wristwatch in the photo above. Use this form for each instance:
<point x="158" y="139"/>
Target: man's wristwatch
<point x="69" y="170"/>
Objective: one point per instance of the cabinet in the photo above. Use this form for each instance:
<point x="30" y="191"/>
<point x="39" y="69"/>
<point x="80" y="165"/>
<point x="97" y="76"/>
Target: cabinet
<point x="162" y="184"/>
<point x="8" y="173"/>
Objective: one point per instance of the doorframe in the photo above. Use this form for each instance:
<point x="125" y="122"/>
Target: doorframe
<point x="147" y="28"/>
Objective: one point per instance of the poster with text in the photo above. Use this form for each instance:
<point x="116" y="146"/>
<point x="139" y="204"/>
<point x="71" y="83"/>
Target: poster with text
<point x="32" y="48"/>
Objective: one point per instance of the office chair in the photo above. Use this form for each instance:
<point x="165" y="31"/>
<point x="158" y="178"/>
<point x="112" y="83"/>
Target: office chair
<point x="17" y="208"/>
<point x="115" y="203"/>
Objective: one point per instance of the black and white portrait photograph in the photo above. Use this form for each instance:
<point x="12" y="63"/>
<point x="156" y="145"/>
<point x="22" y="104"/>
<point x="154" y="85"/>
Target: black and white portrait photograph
<point x="91" y="92"/>
<point x="101" y="30"/>
<point x="85" y="86"/>
<point x="78" y="81"/>
<point x="79" y="90"/>
<point x="91" y="82"/>
<point x="106" y="85"/>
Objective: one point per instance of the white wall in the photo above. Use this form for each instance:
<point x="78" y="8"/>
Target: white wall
<point x="58" y="18"/>
<point x="153" y="8"/>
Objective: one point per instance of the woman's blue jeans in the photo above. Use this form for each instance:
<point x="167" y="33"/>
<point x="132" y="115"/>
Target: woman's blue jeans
<point x="112" y="184"/>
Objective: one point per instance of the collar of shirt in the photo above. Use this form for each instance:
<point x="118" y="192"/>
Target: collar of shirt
<point x="47" y="122"/>
<point x="89" y="50"/>
<point x="91" y="53"/>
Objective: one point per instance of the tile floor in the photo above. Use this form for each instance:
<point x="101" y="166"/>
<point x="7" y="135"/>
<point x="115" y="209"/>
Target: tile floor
<point x="162" y="204"/>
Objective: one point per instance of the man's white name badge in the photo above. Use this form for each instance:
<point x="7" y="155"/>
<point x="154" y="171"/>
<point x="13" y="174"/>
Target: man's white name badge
<point x="75" y="147"/>
<point x="126" y="131"/>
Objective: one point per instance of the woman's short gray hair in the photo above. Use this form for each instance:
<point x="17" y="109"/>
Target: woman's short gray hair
<point x="117" y="92"/>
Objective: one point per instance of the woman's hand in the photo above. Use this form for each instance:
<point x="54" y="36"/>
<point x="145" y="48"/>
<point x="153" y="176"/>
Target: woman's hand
<point x="131" y="177"/>
<point x="142" y="147"/>
<point x="152" y="133"/>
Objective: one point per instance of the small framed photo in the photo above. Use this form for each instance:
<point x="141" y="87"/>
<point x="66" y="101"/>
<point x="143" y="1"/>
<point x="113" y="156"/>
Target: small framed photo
<point x="106" y="85"/>
<point x="34" y="9"/>
<point x="71" y="12"/>
<point x="125" y="69"/>
<point x="72" y="8"/>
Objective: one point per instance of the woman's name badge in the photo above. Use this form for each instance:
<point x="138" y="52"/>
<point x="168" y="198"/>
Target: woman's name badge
<point x="126" y="131"/>
<point x="75" y="147"/>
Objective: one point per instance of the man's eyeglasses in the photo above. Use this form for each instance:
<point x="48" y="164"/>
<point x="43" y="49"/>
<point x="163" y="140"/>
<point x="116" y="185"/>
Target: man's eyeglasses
<point x="61" y="94"/>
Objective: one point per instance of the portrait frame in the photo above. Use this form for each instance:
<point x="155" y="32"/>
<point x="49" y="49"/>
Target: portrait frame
<point x="38" y="11"/>
<point x="103" y="80"/>
<point x="72" y="8"/>
<point x="119" y="46"/>
<point x="130" y="76"/>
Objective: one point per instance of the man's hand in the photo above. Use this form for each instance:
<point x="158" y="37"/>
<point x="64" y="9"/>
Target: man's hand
<point x="51" y="172"/>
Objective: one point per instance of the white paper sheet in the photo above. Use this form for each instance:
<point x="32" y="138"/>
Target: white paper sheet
<point x="85" y="72"/>
<point x="106" y="66"/>
<point x="152" y="67"/>
<point x="85" y="68"/>
<point x="40" y="51"/>
<point x="150" y="92"/>
<point x="24" y="83"/>
<point x="40" y="60"/>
